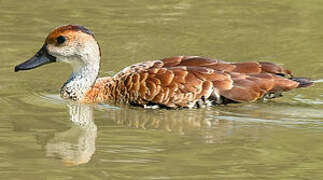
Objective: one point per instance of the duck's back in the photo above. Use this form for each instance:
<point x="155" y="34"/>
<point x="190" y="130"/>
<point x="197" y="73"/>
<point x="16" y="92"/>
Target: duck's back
<point x="190" y="81"/>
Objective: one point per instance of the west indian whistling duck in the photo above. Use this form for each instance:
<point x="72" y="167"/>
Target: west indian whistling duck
<point x="175" y="82"/>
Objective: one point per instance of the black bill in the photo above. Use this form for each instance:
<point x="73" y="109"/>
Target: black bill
<point x="40" y="58"/>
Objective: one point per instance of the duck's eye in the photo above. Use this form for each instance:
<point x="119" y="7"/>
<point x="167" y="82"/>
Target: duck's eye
<point x="60" y="39"/>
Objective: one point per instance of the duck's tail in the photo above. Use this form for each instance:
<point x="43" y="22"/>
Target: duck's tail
<point x="303" y="82"/>
<point x="318" y="81"/>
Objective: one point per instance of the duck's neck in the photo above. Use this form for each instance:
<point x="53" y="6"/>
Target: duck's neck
<point x="81" y="79"/>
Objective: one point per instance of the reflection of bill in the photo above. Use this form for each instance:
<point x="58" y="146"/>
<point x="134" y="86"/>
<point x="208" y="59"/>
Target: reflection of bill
<point x="76" y="145"/>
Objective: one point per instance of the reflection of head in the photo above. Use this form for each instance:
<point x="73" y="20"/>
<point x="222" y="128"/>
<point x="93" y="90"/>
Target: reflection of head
<point x="76" y="145"/>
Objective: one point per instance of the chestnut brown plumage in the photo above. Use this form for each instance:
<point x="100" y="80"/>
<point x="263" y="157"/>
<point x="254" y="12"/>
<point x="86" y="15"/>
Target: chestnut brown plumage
<point x="189" y="81"/>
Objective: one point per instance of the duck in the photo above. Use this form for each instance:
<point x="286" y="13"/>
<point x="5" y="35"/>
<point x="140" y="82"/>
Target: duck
<point x="173" y="82"/>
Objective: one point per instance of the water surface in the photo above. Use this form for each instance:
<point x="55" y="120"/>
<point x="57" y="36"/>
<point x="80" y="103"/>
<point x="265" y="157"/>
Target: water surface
<point x="279" y="139"/>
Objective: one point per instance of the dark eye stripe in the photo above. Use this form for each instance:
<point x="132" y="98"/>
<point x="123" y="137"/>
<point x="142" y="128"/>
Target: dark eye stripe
<point x="60" y="39"/>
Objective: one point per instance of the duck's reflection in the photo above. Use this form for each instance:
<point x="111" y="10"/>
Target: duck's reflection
<point x="76" y="145"/>
<point x="200" y="123"/>
<point x="182" y="122"/>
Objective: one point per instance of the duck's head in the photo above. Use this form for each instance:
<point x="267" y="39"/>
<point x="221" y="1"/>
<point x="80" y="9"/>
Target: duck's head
<point x="73" y="44"/>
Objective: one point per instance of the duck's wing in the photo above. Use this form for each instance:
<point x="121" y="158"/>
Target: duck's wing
<point x="244" y="82"/>
<point x="185" y="81"/>
<point x="244" y="67"/>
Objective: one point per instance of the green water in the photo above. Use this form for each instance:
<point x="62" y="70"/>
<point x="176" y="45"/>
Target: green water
<point x="280" y="139"/>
